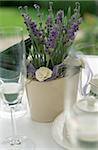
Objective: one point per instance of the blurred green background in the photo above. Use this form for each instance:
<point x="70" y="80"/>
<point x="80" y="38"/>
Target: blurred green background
<point x="10" y="15"/>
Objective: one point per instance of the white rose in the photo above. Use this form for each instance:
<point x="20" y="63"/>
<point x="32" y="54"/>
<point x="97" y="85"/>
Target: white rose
<point x="43" y="73"/>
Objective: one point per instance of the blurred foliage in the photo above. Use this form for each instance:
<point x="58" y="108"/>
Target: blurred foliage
<point x="10" y="15"/>
<point x="87" y="38"/>
<point x="86" y="6"/>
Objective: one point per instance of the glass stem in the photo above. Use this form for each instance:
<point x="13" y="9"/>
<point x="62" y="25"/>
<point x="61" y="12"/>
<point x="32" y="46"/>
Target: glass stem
<point x="14" y="139"/>
<point x="13" y="122"/>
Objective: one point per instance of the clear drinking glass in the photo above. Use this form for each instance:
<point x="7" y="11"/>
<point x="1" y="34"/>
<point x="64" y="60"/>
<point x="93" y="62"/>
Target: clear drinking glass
<point x="12" y="80"/>
<point x="81" y="125"/>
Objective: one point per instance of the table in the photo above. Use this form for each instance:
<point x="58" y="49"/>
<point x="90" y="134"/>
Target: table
<point x="40" y="133"/>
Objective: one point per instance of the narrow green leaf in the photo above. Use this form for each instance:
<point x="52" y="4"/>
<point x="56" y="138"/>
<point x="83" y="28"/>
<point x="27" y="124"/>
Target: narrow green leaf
<point x="47" y="59"/>
<point x="69" y="13"/>
<point x="65" y="20"/>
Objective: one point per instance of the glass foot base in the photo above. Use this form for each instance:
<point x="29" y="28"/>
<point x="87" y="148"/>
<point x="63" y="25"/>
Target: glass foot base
<point x="18" y="143"/>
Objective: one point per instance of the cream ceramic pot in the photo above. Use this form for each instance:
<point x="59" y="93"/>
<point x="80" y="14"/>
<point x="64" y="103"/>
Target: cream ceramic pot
<point x="46" y="99"/>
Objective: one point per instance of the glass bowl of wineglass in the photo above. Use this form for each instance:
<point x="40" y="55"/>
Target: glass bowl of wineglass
<point x="8" y="42"/>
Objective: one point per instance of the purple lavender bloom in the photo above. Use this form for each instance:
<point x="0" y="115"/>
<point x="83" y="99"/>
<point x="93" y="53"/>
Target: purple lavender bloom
<point x="59" y="17"/>
<point x="49" y="23"/>
<point x="31" y="26"/>
<point x="51" y="42"/>
<point x="71" y="31"/>
<point x="74" y="22"/>
<point x="30" y="69"/>
<point x="71" y="34"/>
<point x="75" y="27"/>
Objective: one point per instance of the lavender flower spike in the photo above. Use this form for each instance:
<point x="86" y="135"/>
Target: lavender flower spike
<point x="31" y="26"/>
<point x="59" y="17"/>
<point x="49" y="24"/>
<point x="51" y="42"/>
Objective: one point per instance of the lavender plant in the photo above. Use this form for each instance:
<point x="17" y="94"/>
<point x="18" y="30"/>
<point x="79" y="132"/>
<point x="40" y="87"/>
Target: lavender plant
<point x="50" y="41"/>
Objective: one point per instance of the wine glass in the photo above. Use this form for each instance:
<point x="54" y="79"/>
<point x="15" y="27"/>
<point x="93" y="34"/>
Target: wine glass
<point x="12" y="80"/>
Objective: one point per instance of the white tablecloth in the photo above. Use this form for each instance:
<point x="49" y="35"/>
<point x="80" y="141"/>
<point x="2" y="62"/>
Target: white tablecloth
<point x="40" y="133"/>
